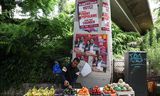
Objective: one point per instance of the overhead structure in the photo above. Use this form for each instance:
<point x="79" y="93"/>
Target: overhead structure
<point x="132" y="15"/>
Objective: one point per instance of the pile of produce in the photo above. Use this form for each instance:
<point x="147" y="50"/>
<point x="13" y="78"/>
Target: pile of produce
<point x="69" y="91"/>
<point x="121" y="86"/>
<point x="107" y="89"/>
<point x="95" y="91"/>
<point x="41" y="92"/>
<point x="83" y="92"/>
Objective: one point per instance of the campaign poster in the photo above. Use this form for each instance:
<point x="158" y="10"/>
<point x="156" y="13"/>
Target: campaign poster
<point x="92" y="48"/>
<point x="88" y="15"/>
<point x="106" y="16"/>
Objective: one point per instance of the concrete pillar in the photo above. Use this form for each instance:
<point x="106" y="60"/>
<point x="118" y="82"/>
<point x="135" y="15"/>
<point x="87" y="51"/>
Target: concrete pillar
<point x="93" y="40"/>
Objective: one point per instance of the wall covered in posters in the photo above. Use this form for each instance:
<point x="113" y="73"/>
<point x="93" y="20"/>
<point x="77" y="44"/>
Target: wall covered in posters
<point x="92" y="48"/>
<point x="88" y="15"/>
<point x="92" y="40"/>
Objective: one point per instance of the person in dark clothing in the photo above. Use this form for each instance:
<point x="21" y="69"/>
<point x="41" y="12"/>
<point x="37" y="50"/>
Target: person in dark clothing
<point x="70" y="72"/>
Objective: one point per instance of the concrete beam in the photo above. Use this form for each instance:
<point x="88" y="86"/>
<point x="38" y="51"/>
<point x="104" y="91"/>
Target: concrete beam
<point x="132" y="15"/>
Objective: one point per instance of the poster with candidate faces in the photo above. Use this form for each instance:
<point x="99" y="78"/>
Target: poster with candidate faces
<point x="92" y="48"/>
<point x="88" y="15"/>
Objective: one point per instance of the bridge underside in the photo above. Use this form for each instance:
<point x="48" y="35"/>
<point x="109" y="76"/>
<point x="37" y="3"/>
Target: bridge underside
<point x="132" y="15"/>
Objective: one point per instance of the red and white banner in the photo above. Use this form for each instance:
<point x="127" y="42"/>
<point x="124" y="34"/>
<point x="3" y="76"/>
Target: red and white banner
<point x="88" y="15"/>
<point x="106" y="16"/>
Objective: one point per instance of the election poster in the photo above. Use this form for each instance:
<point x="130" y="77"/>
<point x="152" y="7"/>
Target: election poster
<point x="106" y="16"/>
<point x="88" y="15"/>
<point x="92" y="48"/>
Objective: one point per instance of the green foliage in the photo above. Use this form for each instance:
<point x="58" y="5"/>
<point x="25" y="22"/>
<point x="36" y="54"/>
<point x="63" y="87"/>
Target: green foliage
<point x="66" y="7"/>
<point x="28" y="49"/>
<point x="7" y="5"/>
<point x="156" y="12"/>
<point x="122" y="39"/>
<point x="61" y="5"/>
<point x="154" y="55"/>
<point x="151" y="44"/>
<point x="33" y="6"/>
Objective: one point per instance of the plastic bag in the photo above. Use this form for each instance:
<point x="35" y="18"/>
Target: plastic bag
<point x="57" y="69"/>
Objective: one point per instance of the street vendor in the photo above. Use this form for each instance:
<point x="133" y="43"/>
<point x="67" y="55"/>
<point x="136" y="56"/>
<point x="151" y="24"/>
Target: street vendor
<point x="70" y="73"/>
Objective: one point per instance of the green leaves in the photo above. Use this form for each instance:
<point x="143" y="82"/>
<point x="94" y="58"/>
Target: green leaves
<point x="28" y="49"/>
<point x="33" y="6"/>
<point x="122" y="39"/>
<point x="151" y="43"/>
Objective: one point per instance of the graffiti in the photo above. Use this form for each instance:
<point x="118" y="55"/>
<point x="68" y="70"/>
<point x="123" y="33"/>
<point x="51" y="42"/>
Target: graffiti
<point x="135" y="58"/>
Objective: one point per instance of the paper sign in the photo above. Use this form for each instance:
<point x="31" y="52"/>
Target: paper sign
<point x="88" y="15"/>
<point x="86" y="70"/>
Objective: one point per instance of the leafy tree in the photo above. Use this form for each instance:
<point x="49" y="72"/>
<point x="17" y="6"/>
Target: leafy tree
<point x="151" y="43"/>
<point x="61" y="5"/>
<point x="28" y="49"/>
<point x="122" y="41"/>
<point x="7" y="5"/>
<point x="33" y="6"/>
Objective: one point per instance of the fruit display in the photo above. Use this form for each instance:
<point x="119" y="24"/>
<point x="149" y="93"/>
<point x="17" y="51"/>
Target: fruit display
<point x="107" y="89"/>
<point x="41" y="92"/>
<point x="69" y="91"/>
<point x="95" y="91"/>
<point x="121" y="86"/>
<point x="83" y="92"/>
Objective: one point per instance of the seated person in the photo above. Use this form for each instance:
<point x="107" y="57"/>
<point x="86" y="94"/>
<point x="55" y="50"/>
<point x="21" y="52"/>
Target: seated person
<point x="70" y="73"/>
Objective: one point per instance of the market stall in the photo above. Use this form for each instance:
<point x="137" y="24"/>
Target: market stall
<point x="114" y="89"/>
